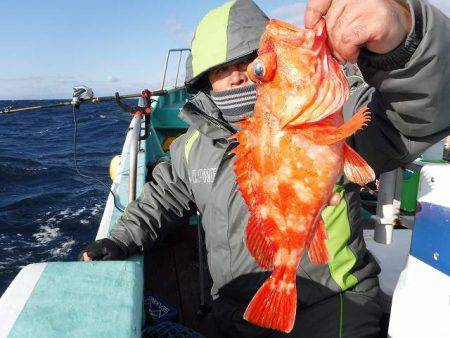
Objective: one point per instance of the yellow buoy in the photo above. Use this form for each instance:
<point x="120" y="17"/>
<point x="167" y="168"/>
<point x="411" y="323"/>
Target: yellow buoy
<point x="114" y="166"/>
<point x="168" y="141"/>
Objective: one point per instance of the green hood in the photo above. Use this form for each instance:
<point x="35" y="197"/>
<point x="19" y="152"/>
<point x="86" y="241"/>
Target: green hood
<point x="227" y="33"/>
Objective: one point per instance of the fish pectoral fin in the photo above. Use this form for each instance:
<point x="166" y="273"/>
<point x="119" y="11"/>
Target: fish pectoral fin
<point x="317" y="250"/>
<point x="355" y="168"/>
<point x="256" y="238"/>
<point x="325" y="134"/>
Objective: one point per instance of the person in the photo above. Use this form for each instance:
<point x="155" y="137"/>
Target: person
<point x="402" y="49"/>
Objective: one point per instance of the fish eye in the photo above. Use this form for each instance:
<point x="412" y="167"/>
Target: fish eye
<point x="258" y="68"/>
<point x="263" y="68"/>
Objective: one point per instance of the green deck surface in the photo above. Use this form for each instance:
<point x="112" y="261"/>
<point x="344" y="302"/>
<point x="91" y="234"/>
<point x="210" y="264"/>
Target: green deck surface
<point x="77" y="299"/>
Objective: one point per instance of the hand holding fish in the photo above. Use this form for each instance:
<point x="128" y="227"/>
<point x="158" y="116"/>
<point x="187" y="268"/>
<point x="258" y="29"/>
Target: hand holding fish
<point x="378" y="25"/>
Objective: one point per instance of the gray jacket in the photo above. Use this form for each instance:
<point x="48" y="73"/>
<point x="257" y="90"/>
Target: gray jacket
<point x="408" y="93"/>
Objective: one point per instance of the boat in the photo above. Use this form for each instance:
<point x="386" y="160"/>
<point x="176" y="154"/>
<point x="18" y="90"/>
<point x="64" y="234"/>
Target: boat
<point x="166" y="292"/>
<point x="58" y="299"/>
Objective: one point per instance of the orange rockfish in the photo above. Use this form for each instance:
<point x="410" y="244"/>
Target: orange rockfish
<point x="290" y="154"/>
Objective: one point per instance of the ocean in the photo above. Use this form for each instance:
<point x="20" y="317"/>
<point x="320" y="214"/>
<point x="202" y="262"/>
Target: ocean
<point x="47" y="211"/>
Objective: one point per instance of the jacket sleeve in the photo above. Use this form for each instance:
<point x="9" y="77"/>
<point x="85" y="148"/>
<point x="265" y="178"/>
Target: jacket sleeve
<point x="163" y="203"/>
<point x="407" y="92"/>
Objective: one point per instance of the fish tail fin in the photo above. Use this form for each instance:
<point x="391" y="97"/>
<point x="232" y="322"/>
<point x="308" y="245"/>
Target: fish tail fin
<point x="317" y="250"/>
<point x="274" y="304"/>
<point x="355" y="168"/>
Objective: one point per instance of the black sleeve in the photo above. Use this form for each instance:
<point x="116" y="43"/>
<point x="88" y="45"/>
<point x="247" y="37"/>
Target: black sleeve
<point x="407" y="92"/>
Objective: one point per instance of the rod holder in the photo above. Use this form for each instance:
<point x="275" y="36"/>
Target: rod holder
<point x="388" y="205"/>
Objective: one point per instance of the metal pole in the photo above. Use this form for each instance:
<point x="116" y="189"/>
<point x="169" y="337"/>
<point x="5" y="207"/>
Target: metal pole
<point x="181" y="50"/>
<point x="134" y="150"/>
<point x="388" y="206"/>
<point x="178" y="68"/>
<point x="165" y="69"/>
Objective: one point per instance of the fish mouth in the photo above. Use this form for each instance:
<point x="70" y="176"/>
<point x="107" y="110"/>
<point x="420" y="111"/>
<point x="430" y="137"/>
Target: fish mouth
<point x="285" y="25"/>
<point x="311" y="89"/>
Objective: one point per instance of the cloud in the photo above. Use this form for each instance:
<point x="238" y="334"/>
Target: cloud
<point x="292" y="13"/>
<point x="443" y="5"/>
<point x="37" y="87"/>
<point x="60" y="87"/>
<point x="112" y="78"/>
<point x="178" y="29"/>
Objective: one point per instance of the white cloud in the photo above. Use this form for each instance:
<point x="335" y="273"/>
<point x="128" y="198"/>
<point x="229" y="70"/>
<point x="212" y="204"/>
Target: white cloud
<point x="60" y="87"/>
<point x="37" y="87"/>
<point x="112" y="78"/>
<point x="292" y="13"/>
<point x="178" y="29"/>
<point x="443" y="5"/>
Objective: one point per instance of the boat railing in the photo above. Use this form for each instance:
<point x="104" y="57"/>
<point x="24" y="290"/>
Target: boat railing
<point x="170" y="51"/>
<point x="135" y="130"/>
<point x="135" y="126"/>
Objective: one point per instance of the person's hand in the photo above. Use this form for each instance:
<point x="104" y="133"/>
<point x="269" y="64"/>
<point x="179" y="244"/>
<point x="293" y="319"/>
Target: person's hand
<point x="104" y="249"/>
<point x="378" y="25"/>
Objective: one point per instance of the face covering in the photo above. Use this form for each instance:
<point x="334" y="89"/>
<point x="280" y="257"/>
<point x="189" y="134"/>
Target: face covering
<point x="235" y="104"/>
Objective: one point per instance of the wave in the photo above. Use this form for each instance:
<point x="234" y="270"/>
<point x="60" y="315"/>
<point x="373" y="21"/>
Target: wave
<point x="47" y="211"/>
<point x="34" y="200"/>
<point x="22" y="170"/>
<point x="63" y="249"/>
<point x="40" y="178"/>
<point x="46" y="234"/>
<point x="20" y="161"/>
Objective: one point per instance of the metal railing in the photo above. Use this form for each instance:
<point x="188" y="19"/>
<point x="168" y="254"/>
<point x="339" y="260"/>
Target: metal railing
<point x="135" y="130"/>
<point x="180" y="51"/>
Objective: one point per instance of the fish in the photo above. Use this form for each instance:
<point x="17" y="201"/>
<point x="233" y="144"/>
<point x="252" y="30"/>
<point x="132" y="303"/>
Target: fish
<point x="289" y="155"/>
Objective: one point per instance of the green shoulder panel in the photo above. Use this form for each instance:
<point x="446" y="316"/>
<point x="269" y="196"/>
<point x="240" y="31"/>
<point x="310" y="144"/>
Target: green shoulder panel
<point x="342" y="258"/>
<point x="189" y="142"/>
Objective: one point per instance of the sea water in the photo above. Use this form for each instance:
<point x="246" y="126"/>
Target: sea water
<point x="47" y="211"/>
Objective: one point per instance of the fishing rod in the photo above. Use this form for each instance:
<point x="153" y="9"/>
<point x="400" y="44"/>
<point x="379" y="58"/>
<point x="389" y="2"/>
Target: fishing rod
<point x="82" y="95"/>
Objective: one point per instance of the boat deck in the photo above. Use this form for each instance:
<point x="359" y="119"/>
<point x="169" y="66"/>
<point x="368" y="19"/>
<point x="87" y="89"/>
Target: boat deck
<point x="172" y="274"/>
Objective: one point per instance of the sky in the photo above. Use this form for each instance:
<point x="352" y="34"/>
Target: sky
<point x="48" y="46"/>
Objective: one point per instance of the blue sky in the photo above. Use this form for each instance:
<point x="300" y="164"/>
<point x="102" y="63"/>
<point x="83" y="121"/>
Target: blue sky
<point x="47" y="46"/>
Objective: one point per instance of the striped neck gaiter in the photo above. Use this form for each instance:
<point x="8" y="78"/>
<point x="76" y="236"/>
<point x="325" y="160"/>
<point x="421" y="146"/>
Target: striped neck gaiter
<point x="236" y="103"/>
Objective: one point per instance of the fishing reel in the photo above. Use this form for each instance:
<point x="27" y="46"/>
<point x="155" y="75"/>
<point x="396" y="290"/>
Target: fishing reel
<point x="81" y="93"/>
